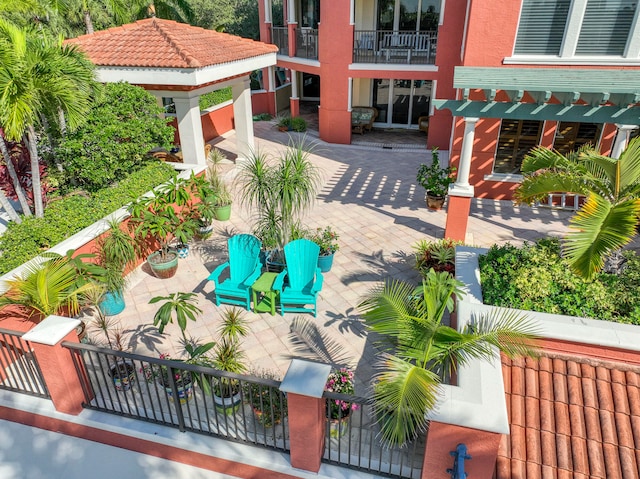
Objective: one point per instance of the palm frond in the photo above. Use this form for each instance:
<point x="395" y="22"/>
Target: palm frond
<point x="630" y="167"/>
<point x="403" y="395"/>
<point x="601" y="227"/>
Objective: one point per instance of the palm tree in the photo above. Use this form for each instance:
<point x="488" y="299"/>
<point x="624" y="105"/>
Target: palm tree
<point x="179" y="10"/>
<point x="608" y="218"/>
<point x="419" y="351"/>
<point x="39" y="76"/>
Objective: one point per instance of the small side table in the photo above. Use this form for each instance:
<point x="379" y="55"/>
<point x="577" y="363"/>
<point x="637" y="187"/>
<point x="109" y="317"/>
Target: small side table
<point x="263" y="285"/>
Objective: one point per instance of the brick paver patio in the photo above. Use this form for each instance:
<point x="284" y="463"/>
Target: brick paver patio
<point x="370" y="197"/>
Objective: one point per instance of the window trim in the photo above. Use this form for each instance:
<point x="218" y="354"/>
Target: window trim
<point x="631" y="56"/>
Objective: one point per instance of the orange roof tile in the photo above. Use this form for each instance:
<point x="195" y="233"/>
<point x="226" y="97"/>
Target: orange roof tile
<point x="158" y="43"/>
<point x="570" y="417"/>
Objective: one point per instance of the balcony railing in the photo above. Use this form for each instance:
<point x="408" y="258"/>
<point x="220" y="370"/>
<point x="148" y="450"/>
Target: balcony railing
<point x="307" y="43"/>
<point x="387" y="46"/>
<point x="280" y="38"/>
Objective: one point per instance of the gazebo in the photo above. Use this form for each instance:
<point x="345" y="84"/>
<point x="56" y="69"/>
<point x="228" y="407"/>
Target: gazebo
<point x="179" y="61"/>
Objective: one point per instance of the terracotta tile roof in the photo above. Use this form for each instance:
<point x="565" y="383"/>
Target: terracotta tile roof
<point x="573" y="418"/>
<point x="155" y="42"/>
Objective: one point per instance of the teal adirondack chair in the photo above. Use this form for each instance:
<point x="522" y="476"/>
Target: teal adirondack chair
<point x="304" y="279"/>
<point x="244" y="269"/>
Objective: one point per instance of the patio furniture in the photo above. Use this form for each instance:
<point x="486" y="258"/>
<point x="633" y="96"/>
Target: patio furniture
<point x="244" y="269"/>
<point x="264" y="296"/>
<point x="362" y="118"/>
<point x="304" y="279"/>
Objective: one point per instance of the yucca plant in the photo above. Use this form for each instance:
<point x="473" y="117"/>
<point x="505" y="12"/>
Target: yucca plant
<point x="609" y="217"/>
<point x="419" y="351"/>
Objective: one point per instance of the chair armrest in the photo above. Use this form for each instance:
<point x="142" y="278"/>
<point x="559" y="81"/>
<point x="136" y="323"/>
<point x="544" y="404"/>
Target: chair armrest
<point x="253" y="277"/>
<point x="217" y="272"/>
<point x="277" y="284"/>
<point x="317" y="285"/>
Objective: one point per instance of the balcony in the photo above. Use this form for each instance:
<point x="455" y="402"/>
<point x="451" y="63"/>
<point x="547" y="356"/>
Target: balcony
<point x="280" y="38"/>
<point x="307" y="43"/>
<point x="402" y="48"/>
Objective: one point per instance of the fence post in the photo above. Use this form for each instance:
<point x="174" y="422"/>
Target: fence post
<point x="443" y="438"/>
<point x="304" y="384"/>
<point x="56" y="363"/>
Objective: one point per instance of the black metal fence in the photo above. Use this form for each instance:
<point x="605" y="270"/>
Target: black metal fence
<point x="353" y="441"/>
<point x="280" y="38"/>
<point x="307" y="43"/>
<point x="191" y="398"/>
<point x="19" y="369"/>
<point x="399" y="47"/>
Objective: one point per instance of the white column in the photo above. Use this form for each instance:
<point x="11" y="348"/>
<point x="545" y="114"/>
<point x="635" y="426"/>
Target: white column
<point x="267" y="11"/>
<point x="243" y="118"/>
<point x="462" y="187"/>
<point x="294" y="84"/>
<point x="271" y="71"/>
<point x="190" y="129"/>
<point x="291" y="4"/>
<point x="350" y="94"/>
<point x="622" y="139"/>
<point x="352" y="13"/>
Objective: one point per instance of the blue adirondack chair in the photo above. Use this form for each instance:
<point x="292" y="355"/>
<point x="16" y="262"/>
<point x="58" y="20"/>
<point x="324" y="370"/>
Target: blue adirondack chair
<point x="304" y="279"/>
<point x="244" y="269"/>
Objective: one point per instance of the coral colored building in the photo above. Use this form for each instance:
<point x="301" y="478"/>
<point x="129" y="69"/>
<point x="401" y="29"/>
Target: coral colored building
<point x="507" y="75"/>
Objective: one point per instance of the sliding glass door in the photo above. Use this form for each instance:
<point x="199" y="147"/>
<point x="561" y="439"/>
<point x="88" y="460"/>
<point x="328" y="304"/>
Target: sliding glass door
<point x="401" y="102"/>
<point x="408" y="15"/>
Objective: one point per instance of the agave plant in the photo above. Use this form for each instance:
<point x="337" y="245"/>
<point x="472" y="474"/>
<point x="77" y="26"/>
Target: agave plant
<point x="608" y="218"/>
<point x="420" y="351"/>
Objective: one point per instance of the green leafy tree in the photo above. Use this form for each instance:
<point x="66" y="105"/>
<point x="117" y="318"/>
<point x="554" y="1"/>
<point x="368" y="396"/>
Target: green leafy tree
<point x="179" y="10"/>
<point x="121" y="128"/>
<point x="609" y="217"/>
<point x="212" y="14"/>
<point x="419" y="350"/>
<point x="246" y="20"/>
<point x="40" y="78"/>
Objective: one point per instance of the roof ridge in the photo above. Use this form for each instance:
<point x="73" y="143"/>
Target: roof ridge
<point x="173" y="43"/>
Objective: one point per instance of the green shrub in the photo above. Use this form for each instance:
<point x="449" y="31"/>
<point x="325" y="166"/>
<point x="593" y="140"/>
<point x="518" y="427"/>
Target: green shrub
<point x="215" y="98"/>
<point x="66" y="216"/>
<point x="439" y="255"/>
<point x="535" y="277"/>
<point x="121" y="128"/>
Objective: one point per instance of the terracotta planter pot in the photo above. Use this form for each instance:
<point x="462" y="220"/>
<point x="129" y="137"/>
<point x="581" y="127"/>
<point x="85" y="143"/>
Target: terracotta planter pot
<point x="435" y="202"/>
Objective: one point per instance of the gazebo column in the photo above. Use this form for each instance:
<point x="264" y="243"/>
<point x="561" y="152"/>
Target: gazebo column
<point x="461" y="192"/>
<point x="294" y="101"/>
<point x="243" y="116"/>
<point x="190" y="129"/>
<point x="622" y="139"/>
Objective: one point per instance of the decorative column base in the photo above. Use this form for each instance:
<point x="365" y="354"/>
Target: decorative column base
<point x="294" y="104"/>
<point x="458" y="212"/>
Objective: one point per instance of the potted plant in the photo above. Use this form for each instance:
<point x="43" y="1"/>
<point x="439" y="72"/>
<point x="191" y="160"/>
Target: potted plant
<point x="435" y="180"/>
<point x="439" y="255"/>
<point x="166" y="215"/>
<point x="327" y="239"/>
<point x="222" y="196"/>
<point x="339" y="412"/>
<point x="279" y="192"/>
<point x="116" y="252"/>
<point x="166" y="376"/>
<point x="296" y="123"/>
<point x="228" y="356"/>
<point x="269" y="404"/>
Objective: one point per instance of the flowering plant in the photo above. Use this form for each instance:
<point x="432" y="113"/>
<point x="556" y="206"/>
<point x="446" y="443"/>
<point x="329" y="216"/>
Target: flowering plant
<point x="327" y="239"/>
<point x="340" y="381"/>
<point x="152" y="372"/>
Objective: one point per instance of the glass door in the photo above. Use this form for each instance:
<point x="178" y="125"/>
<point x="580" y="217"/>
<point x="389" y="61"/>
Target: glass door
<point x="408" y="15"/>
<point x="401" y="102"/>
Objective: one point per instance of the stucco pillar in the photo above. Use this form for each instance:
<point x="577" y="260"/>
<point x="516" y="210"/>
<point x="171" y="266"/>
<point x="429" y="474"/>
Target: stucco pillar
<point x="55" y="362"/>
<point x="461" y="192"/>
<point x="622" y="139"/>
<point x="442" y="439"/>
<point x="243" y="118"/>
<point x="304" y="384"/>
<point x="294" y="101"/>
<point x="190" y="129"/>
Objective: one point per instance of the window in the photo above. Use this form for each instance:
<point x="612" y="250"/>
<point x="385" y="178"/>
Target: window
<point x="573" y="28"/>
<point x="517" y="138"/>
<point x="572" y="135"/>
<point x="541" y="28"/>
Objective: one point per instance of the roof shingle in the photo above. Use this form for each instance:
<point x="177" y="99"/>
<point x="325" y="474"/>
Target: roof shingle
<point x="158" y="43"/>
<point x="570" y="417"/>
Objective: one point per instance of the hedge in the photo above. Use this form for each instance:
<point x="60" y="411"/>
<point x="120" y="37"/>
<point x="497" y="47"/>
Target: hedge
<point x="66" y="216"/>
<point x="535" y="277"/>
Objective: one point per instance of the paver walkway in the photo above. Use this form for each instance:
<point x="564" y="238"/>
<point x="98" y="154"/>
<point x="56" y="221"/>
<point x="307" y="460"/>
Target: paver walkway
<point x="370" y="197"/>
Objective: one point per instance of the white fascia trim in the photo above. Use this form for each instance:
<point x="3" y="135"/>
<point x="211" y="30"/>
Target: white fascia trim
<point x="393" y="67"/>
<point x="184" y="76"/>
<point x="299" y="61"/>
<point x="556" y="60"/>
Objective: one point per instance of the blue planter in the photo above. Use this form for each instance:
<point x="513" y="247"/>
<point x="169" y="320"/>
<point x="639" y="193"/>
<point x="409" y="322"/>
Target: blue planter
<point x="112" y="304"/>
<point x="325" y="262"/>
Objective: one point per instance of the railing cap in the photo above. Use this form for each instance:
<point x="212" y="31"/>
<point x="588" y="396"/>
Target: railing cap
<point x="306" y="378"/>
<point x="51" y="330"/>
